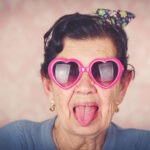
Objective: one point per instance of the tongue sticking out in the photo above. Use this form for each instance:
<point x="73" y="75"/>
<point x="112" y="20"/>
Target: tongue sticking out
<point x="85" y="114"/>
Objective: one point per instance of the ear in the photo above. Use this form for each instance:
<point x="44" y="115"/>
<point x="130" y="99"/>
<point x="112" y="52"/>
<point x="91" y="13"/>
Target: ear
<point x="124" y="83"/>
<point x="46" y="86"/>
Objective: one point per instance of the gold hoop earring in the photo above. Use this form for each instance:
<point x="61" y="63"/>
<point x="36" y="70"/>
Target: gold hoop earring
<point x="52" y="106"/>
<point x="117" y="109"/>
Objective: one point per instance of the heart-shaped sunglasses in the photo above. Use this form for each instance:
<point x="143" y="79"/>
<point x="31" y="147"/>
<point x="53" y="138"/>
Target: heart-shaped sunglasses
<point x="67" y="72"/>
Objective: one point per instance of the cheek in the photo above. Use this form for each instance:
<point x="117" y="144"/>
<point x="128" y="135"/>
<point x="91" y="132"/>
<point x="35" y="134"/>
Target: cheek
<point x="108" y="104"/>
<point x="62" y="100"/>
<point x="110" y="96"/>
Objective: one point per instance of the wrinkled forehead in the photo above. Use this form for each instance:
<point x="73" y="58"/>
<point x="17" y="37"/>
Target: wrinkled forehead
<point x="88" y="49"/>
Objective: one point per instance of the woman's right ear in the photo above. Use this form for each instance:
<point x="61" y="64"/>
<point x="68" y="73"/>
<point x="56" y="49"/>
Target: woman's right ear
<point x="46" y="85"/>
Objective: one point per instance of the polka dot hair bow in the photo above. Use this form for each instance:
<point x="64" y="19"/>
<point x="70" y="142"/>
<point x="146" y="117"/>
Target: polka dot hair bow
<point x="119" y="18"/>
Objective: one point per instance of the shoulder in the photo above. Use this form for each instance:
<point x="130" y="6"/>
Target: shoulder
<point x="24" y="134"/>
<point x="21" y="126"/>
<point x="25" y="125"/>
<point x="133" y="139"/>
<point x="130" y="132"/>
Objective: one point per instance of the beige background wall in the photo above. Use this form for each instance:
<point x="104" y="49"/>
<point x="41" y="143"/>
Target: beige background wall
<point x="22" y="25"/>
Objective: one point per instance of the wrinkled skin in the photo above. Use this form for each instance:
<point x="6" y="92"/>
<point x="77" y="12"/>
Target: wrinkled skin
<point x="91" y="136"/>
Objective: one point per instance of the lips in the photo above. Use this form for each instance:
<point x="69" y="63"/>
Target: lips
<point x="85" y="113"/>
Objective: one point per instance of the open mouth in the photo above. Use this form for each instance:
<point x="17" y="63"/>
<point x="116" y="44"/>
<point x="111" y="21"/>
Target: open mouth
<point x="85" y="113"/>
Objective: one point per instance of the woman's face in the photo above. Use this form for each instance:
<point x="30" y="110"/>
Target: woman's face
<point x="85" y="93"/>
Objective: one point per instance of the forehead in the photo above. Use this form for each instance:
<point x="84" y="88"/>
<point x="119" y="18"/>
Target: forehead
<point x="88" y="49"/>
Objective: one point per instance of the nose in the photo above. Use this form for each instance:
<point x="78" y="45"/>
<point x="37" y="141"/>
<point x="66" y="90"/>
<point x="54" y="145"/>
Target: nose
<point x="85" y="85"/>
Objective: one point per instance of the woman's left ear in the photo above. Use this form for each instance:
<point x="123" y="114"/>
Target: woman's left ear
<point x="124" y="83"/>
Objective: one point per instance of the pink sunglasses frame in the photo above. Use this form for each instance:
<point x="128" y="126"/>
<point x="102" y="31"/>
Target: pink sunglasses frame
<point x="83" y="69"/>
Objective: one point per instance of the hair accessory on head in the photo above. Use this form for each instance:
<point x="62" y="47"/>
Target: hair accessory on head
<point x="114" y="17"/>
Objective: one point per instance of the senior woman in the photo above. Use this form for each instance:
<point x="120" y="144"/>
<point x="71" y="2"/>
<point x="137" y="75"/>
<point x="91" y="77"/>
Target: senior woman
<point x="85" y="76"/>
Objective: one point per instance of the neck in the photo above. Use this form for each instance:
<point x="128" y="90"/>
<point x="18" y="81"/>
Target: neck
<point x="67" y="141"/>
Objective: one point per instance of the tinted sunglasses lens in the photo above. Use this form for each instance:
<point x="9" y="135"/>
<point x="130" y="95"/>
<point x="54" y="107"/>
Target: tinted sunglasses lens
<point x="104" y="73"/>
<point x="65" y="73"/>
